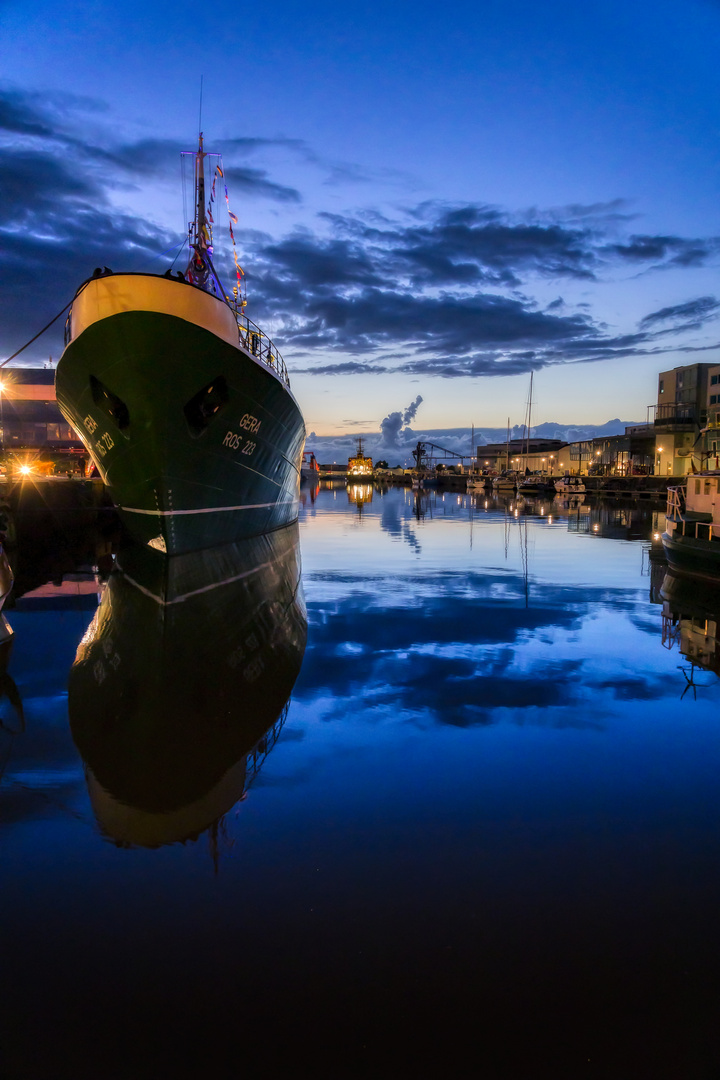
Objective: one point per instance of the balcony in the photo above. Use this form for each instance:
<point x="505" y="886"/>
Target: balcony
<point x="676" y="417"/>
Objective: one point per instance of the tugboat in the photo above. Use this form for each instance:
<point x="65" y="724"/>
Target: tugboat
<point x="183" y="403"/>
<point x="692" y="526"/>
<point x="359" y="466"/>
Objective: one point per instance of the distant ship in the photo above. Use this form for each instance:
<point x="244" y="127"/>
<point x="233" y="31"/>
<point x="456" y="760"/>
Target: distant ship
<point x="309" y="470"/>
<point x="183" y="403"/>
<point x="359" y="466"/>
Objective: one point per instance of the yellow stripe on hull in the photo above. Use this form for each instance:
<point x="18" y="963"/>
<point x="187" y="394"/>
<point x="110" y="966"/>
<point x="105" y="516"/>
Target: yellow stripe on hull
<point x="116" y="293"/>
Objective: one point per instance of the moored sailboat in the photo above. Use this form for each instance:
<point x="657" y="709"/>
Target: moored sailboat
<point x="183" y="403"/>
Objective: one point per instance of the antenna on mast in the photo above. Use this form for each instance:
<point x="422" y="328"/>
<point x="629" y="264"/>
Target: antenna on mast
<point x="200" y="113"/>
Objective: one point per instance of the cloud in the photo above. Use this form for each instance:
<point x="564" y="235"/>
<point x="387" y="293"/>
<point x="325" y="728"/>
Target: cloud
<point x="434" y="289"/>
<point x="691" y="314"/>
<point x="437" y="290"/>
<point x="391" y="426"/>
<point x="663" y="252"/>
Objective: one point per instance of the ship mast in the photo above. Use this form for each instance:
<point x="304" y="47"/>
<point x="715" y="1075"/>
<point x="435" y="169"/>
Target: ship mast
<point x="200" y="193"/>
<point x="200" y="270"/>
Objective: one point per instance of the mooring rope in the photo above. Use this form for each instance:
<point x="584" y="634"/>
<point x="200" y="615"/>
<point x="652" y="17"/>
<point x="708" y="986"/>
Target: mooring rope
<point x="39" y="333"/>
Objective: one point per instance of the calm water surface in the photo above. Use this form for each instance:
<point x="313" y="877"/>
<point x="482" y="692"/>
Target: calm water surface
<point x="482" y="838"/>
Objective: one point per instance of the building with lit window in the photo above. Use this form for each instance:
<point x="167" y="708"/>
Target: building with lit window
<point x="712" y="434"/>
<point x="681" y="416"/>
<point x="32" y="428"/>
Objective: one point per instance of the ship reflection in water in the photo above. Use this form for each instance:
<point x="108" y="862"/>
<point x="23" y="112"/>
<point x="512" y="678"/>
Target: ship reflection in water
<point x="180" y="685"/>
<point x="690" y="620"/>
<point x="359" y="494"/>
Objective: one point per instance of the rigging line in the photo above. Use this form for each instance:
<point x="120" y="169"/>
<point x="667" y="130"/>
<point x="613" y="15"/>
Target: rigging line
<point x="62" y="312"/>
<point x="39" y="333"/>
<point x="145" y="261"/>
<point x="178" y="253"/>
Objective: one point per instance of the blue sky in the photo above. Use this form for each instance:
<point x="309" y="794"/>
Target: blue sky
<point x="433" y="200"/>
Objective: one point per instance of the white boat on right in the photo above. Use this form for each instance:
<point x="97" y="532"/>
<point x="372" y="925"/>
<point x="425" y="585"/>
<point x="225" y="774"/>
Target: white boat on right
<point x="692" y="526"/>
<point x="570" y="485"/>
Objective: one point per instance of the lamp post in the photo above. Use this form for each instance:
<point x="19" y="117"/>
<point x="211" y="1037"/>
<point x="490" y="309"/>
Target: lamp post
<point x="659" y="450"/>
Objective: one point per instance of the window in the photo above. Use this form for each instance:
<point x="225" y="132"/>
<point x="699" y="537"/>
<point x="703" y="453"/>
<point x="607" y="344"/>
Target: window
<point x="713" y="380"/>
<point x="713" y="399"/>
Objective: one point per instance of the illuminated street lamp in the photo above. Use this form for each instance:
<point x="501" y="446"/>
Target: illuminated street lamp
<point x="660" y="450"/>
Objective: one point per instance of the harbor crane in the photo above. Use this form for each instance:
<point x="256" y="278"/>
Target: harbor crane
<point x="426" y="455"/>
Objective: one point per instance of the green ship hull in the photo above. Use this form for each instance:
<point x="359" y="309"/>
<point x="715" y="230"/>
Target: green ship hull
<point x="199" y="441"/>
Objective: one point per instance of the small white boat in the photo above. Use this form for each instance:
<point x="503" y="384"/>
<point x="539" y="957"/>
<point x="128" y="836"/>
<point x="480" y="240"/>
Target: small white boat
<point x="570" y="485"/>
<point x="476" y="482"/>
<point x="507" y="481"/>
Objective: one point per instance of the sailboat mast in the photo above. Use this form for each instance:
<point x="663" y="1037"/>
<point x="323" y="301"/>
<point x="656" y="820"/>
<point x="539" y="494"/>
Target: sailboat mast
<point x="507" y="447"/>
<point x="529" y="417"/>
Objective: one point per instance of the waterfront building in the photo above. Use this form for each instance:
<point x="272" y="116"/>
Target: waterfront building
<point x="32" y="428"/>
<point x="712" y="435"/>
<point x="630" y="454"/>
<point x="680" y="417"/>
<point x="537" y="455"/>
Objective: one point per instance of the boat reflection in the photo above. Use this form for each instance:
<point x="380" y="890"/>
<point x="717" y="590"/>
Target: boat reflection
<point x="180" y="686"/>
<point x="359" y="494"/>
<point x="690" y="619"/>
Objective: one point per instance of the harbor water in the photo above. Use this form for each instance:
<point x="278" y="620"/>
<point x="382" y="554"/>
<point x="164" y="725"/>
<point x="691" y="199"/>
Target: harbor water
<point x="424" y="786"/>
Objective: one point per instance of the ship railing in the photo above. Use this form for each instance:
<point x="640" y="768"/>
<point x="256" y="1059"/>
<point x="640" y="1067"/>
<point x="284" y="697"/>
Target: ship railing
<point x="675" y="502"/>
<point x="263" y="746"/>
<point x="671" y="630"/>
<point x="251" y="337"/>
<point x="695" y="530"/>
<point x="261" y="347"/>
